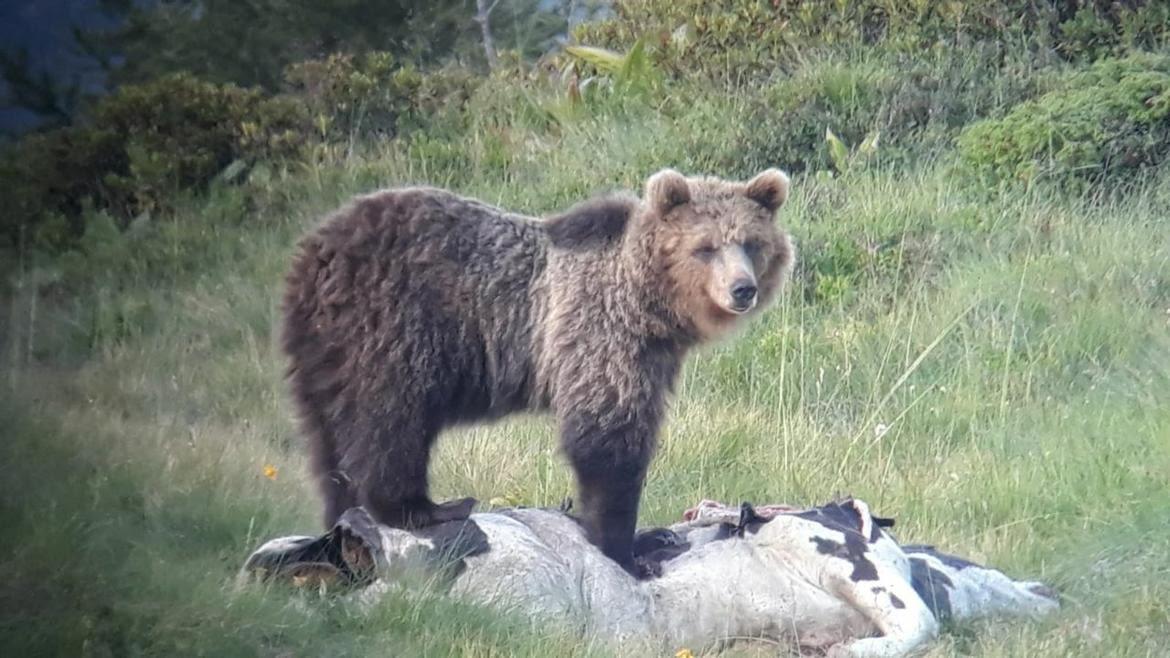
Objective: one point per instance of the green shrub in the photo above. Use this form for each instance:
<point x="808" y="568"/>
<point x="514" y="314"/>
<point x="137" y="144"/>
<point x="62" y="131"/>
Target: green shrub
<point x="178" y="132"/>
<point x="138" y="148"/>
<point x="750" y="37"/>
<point x="144" y="144"/>
<point x="1113" y="118"/>
<point x="1097" y="28"/>
<point x="903" y="98"/>
<point x="45" y="178"/>
<point x="373" y="95"/>
<point x="522" y="100"/>
<point x="846" y="97"/>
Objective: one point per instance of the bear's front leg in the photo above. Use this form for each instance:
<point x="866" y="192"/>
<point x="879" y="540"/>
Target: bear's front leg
<point x="610" y="461"/>
<point x="609" y="513"/>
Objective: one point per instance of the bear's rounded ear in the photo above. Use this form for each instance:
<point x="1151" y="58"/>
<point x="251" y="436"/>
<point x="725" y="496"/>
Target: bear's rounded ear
<point x="667" y="189"/>
<point x="769" y="189"/>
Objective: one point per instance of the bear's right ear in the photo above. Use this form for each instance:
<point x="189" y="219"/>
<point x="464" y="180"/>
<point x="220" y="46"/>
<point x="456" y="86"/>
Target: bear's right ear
<point x="666" y="190"/>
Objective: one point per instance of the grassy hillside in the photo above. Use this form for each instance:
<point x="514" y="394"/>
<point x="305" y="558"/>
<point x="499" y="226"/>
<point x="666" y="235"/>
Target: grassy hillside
<point x="987" y="360"/>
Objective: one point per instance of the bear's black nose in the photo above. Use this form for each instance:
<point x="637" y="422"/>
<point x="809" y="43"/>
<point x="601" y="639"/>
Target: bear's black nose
<point x="743" y="293"/>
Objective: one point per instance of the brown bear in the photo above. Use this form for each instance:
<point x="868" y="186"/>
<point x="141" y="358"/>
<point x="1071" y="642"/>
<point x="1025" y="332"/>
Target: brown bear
<point x="412" y="310"/>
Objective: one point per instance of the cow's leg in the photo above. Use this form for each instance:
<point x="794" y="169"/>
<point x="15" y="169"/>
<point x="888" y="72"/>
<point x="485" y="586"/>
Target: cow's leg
<point x="853" y="561"/>
<point x="891" y="604"/>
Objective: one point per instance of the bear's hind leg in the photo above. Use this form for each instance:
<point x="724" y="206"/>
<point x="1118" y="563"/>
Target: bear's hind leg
<point x="337" y="491"/>
<point x="393" y="486"/>
<point x="336" y="488"/>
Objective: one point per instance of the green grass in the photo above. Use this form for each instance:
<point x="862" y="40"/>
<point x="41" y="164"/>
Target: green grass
<point x="1014" y="345"/>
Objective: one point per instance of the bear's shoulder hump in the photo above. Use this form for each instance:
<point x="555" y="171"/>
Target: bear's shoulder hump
<point x="591" y="224"/>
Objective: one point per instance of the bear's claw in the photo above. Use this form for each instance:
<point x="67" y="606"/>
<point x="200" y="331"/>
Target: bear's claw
<point x="453" y="510"/>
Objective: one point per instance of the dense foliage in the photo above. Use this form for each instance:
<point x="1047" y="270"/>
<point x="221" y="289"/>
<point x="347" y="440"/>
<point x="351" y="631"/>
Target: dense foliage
<point x="371" y="94"/>
<point x="141" y="147"/>
<point x="756" y="37"/>
<point x="1112" y="118"/>
<point x="812" y="85"/>
<point x="250" y="42"/>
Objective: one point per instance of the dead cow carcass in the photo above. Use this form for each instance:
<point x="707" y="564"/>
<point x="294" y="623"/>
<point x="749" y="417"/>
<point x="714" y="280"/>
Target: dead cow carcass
<point x="829" y="578"/>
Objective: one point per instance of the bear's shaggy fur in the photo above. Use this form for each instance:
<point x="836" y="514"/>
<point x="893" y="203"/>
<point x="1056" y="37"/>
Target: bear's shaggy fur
<point x="411" y="310"/>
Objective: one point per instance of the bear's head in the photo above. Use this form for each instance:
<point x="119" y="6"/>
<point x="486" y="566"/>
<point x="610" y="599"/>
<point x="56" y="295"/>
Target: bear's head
<point x="715" y="246"/>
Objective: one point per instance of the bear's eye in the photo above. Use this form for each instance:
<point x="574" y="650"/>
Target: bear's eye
<point x="752" y="248"/>
<point x="705" y="252"/>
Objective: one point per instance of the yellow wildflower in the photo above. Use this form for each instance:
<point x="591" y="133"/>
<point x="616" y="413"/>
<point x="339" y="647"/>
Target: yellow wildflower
<point x="270" y="471"/>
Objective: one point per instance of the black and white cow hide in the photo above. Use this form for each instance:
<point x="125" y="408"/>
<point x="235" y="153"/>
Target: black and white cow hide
<point x="829" y="578"/>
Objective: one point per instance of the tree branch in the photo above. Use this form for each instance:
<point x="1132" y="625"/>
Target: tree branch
<point x="482" y="16"/>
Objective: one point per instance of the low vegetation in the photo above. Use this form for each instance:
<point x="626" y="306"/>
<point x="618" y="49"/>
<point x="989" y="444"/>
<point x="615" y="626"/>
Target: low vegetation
<point x="1096" y="124"/>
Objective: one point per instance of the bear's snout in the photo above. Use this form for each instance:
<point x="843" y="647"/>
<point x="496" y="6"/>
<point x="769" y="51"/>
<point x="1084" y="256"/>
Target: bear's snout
<point x="733" y="286"/>
<point x="743" y="295"/>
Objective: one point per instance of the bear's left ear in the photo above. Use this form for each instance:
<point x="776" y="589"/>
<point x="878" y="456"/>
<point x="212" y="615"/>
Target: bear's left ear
<point x="769" y="189"/>
<point x="666" y="190"/>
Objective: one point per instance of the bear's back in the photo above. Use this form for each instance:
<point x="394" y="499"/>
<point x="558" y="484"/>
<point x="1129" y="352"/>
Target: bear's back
<point x="419" y="288"/>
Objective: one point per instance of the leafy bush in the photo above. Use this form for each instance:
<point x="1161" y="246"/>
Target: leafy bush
<point x="629" y="74"/>
<point x="1097" y="28"/>
<point x="747" y="37"/>
<point x="899" y="96"/>
<point x="178" y="132"/>
<point x="145" y="143"/>
<point x="1111" y="118"/>
<point x="846" y="97"/>
<point x="139" y="147"/>
<point x="373" y="94"/>
<point x="46" y="177"/>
